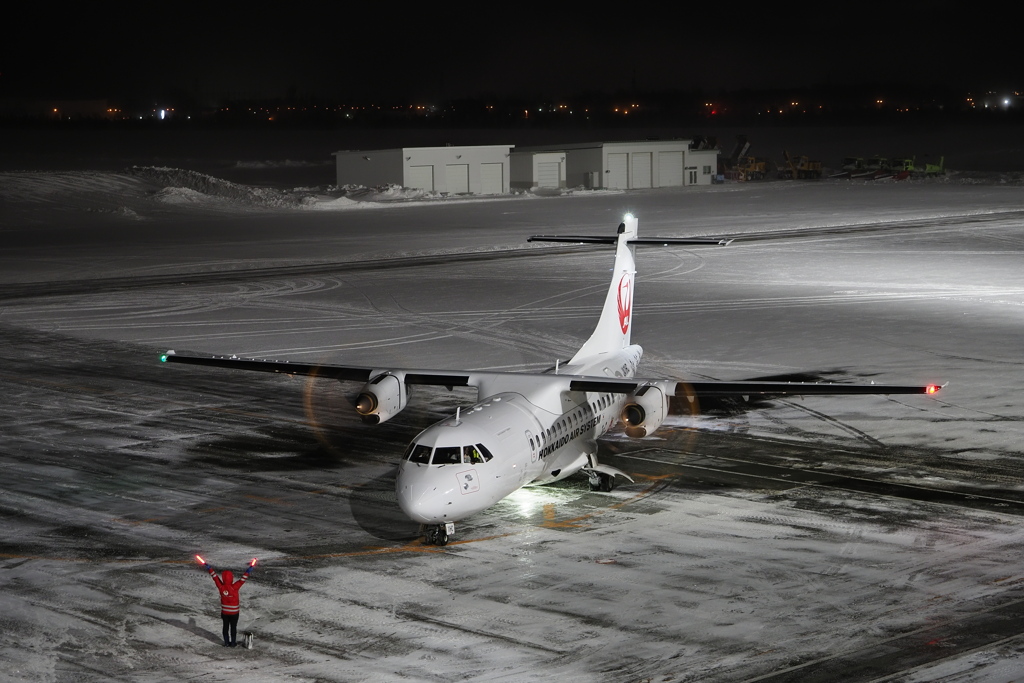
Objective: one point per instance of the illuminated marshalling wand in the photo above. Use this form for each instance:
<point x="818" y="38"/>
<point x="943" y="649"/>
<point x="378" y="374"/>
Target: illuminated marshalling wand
<point x="535" y="427"/>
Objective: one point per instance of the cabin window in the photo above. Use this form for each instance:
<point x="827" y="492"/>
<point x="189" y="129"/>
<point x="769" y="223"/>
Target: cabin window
<point x="420" y="454"/>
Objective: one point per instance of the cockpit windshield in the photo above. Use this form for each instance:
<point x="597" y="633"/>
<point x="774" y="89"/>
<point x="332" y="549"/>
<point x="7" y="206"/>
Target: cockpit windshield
<point x="476" y="454"/>
<point x="448" y="455"/>
<point x="419" y="453"/>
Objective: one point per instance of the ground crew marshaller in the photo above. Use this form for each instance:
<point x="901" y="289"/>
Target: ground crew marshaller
<point x="228" y="589"/>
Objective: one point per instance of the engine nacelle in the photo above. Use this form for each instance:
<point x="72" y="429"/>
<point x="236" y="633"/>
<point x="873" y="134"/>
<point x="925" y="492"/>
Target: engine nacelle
<point x="381" y="398"/>
<point x="645" y="411"/>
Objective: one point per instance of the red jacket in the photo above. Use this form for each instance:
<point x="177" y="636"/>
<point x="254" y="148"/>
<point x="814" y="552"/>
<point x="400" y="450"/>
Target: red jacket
<point x="228" y="589"/>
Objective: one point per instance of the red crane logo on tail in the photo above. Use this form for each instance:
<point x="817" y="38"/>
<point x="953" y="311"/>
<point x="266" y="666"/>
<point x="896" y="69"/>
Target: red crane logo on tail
<point x="625" y="302"/>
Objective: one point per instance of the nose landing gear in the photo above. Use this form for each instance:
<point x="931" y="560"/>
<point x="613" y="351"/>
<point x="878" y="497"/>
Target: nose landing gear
<point x="438" y="534"/>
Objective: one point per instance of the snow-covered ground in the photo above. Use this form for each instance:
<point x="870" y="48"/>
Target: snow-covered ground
<point x="863" y="538"/>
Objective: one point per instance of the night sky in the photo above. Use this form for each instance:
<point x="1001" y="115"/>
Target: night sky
<point x="216" y="50"/>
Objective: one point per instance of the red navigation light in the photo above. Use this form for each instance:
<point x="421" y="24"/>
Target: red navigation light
<point x="932" y="389"/>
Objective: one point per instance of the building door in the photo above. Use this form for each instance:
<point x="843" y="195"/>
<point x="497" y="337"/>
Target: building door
<point x="641" y="168"/>
<point x="420" y="178"/>
<point x="618" y="172"/>
<point x="492" y="178"/>
<point x="670" y="169"/>
<point x="549" y="174"/>
<point x="457" y="178"/>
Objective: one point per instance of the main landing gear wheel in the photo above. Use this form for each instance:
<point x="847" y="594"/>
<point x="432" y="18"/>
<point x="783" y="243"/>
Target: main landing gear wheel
<point x="602" y="482"/>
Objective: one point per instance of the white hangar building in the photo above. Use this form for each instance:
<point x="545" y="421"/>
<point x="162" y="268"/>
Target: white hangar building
<point x="482" y="169"/>
<point x="614" y="165"/>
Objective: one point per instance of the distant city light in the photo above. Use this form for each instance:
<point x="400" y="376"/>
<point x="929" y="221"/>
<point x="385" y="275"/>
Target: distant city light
<point x="1009" y="102"/>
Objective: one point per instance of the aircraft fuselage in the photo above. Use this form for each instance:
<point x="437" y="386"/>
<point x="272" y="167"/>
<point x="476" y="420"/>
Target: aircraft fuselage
<point x="513" y="438"/>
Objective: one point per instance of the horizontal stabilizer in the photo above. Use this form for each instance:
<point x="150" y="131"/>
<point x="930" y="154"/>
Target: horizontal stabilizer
<point x="612" y="239"/>
<point x="578" y="239"/>
<point x="664" y="241"/>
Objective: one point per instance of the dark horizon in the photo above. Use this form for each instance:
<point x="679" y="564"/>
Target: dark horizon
<point x="209" y="54"/>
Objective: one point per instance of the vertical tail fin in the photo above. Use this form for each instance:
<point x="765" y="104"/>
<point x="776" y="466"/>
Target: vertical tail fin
<point x="616" y="322"/>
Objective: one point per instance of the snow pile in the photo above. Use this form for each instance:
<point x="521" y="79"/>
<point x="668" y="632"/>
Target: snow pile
<point x="181" y="196"/>
<point x="385" y="193"/>
<point x="179" y="183"/>
<point x="320" y="203"/>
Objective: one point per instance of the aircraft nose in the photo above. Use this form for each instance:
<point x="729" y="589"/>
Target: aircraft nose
<point x="422" y="496"/>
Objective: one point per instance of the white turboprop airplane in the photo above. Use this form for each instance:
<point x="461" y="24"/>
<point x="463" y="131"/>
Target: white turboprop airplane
<point x="533" y="428"/>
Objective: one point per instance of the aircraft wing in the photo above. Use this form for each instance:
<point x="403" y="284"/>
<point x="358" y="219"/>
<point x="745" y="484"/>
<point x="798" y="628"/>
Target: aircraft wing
<point x="748" y="388"/>
<point x="475" y="378"/>
<point x="351" y="373"/>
